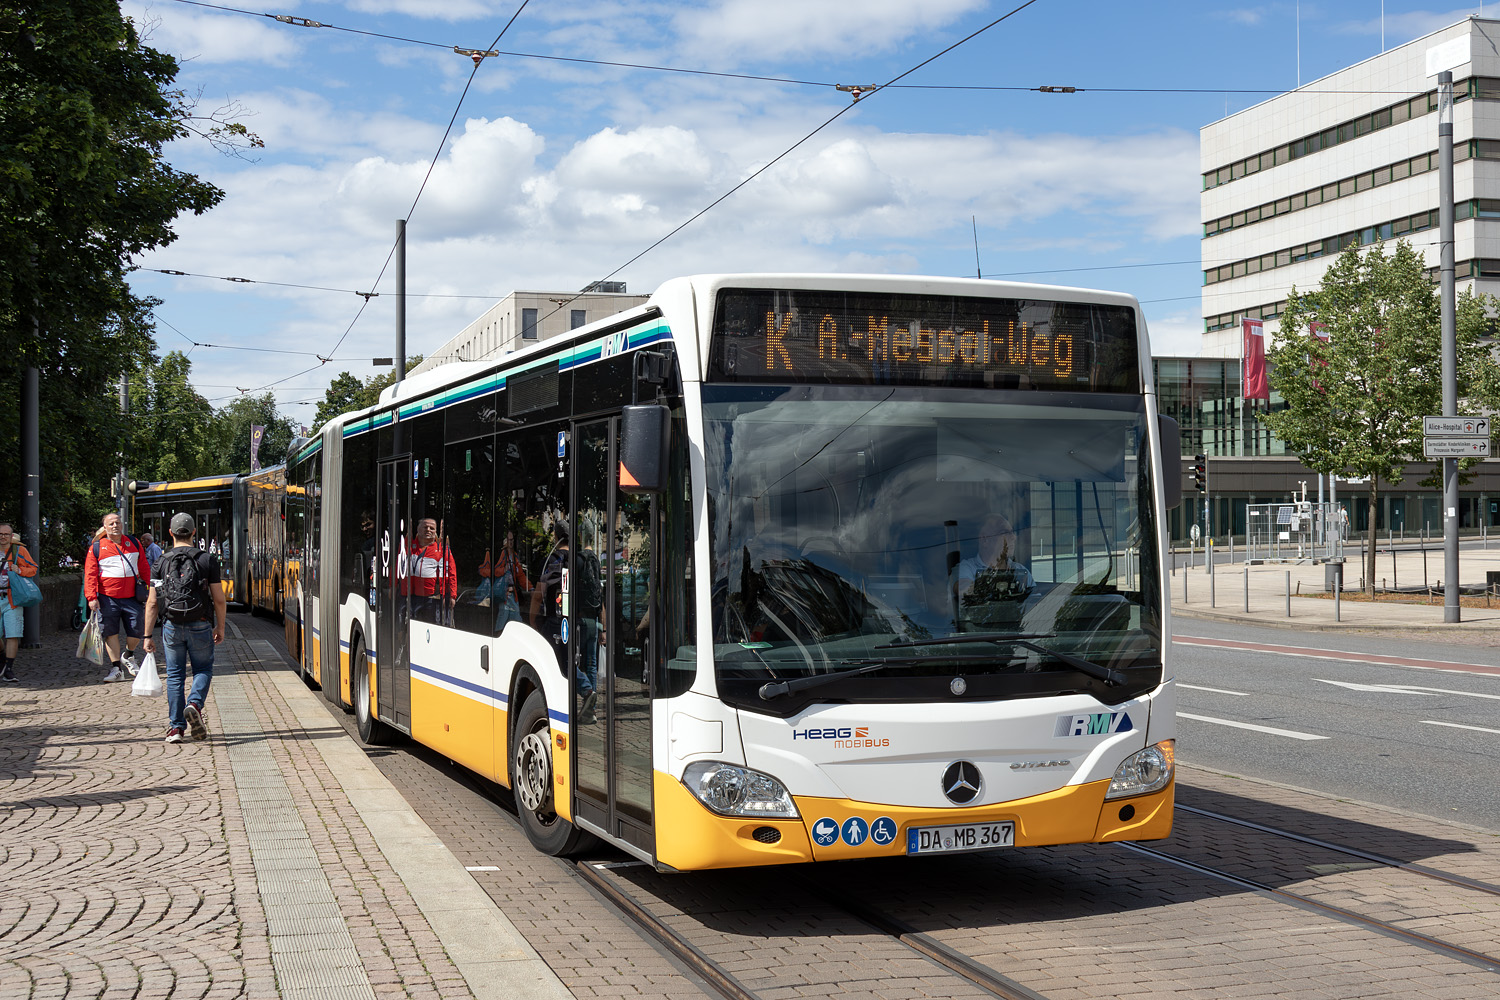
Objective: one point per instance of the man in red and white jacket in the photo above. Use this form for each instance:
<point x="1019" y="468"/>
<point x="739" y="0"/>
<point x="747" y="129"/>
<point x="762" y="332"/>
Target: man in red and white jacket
<point x="432" y="580"/>
<point x="114" y="565"/>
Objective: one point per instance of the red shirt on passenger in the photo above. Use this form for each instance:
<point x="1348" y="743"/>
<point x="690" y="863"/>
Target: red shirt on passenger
<point x="114" y="572"/>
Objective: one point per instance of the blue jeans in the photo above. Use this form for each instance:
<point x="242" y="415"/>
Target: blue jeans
<point x="181" y="643"/>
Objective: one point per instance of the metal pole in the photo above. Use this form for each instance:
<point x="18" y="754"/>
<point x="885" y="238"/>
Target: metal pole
<point x="1289" y="593"/>
<point x="1450" y="341"/>
<point x="125" y="427"/>
<point x="31" y="488"/>
<point x="1212" y="597"/>
<point x="400" y="300"/>
<point x="1338" y="585"/>
<point x="1185" y="576"/>
<point x="1247" y="590"/>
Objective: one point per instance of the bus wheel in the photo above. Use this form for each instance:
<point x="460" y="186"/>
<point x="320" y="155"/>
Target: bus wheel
<point x="371" y="730"/>
<point x="532" y="782"/>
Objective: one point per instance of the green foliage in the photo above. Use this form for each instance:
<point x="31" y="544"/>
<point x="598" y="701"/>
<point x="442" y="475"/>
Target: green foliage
<point x="347" y="393"/>
<point x="1355" y="402"/>
<point x="167" y="420"/>
<point x="227" y="440"/>
<point x="85" y="114"/>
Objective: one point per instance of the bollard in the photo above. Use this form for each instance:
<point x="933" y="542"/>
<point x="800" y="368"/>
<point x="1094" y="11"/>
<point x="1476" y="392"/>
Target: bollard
<point x="1247" y="590"/>
<point x="1289" y="593"/>
<point x="1185" y="576"/>
<point x="1212" y="601"/>
<point x="1338" y="586"/>
<point x="1231" y="550"/>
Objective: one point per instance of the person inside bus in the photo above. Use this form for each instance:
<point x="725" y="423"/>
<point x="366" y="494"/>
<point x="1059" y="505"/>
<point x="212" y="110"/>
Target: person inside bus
<point x="996" y="573"/>
<point x="433" y="579"/>
<point x="508" y="583"/>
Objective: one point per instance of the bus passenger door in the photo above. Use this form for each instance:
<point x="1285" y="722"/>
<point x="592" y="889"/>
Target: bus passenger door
<point x="608" y="590"/>
<point x="393" y="606"/>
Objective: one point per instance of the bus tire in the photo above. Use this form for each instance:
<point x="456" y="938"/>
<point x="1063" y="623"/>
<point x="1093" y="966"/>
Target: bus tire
<point x="533" y="784"/>
<point x="371" y="730"/>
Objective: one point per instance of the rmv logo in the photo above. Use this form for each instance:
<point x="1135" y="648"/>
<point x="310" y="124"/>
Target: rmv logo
<point x="1094" y="724"/>
<point x="614" y="344"/>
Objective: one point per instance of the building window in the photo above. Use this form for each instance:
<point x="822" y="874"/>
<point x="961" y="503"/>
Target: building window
<point x="580" y="317"/>
<point x="528" y="324"/>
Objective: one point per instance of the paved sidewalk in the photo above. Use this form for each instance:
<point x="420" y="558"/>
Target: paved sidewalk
<point x="1222" y="595"/>
<point x="271" y="861"/>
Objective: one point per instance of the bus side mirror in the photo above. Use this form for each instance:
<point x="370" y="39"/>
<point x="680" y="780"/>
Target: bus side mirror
<point x="644" y="434"/>
<point x="1171" y="460"/>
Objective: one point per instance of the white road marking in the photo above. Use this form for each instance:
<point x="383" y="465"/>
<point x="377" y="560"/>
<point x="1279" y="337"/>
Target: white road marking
<point x="1453" y="725"/>
<point x="1289" y="733"/>
<point x="481" y="868"/>
<point x="1408" y="689"/>
<point x="1194" y="687"/>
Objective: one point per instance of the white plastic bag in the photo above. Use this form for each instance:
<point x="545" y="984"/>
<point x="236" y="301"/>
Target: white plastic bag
<point x="147" y="681"/>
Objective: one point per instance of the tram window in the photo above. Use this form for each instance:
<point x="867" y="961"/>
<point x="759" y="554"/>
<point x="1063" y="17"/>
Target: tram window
<point x="675" y="567"/>
<point x="470" y="499"/>
<point x="357" y="515"/>
<point x="426" y="438"/>
<point x="529" y="497"/>
<point x="604" y="385"/>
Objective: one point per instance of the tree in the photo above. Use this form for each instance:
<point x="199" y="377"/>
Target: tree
<point x="85" y="114"/>
<point x="227" y="442"/>
<point x="347" y="393"/>
<point x="1355" y="402"/>
<point x="167" y="417"/>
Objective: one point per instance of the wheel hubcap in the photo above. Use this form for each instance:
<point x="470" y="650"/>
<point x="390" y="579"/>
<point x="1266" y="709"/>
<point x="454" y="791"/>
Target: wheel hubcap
<point x="533" y="771"/>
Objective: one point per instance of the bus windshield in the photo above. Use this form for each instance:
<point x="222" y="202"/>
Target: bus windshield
<point x="873" y="531"/>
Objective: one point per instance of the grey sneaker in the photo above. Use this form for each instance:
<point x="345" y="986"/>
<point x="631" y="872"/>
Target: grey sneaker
<point x="195" y="722"/>
<point x="114" y="673"/>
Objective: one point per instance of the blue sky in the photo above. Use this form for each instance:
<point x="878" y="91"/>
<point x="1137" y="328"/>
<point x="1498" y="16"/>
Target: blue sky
<point x="557" y="173"/>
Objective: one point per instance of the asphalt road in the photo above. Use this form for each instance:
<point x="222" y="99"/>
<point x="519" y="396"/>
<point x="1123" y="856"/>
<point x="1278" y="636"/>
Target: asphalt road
<point x="1422" y="738"/>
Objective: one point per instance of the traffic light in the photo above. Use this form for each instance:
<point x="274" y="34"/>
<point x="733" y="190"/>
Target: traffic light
<point x="1200" y="473"/>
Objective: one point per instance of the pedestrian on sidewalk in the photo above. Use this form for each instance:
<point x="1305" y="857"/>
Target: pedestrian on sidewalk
<point x="153" y="551"/>
<point x="114" y="578"/>
<point x="188" y="594"/>
<point x="13" y="559"/>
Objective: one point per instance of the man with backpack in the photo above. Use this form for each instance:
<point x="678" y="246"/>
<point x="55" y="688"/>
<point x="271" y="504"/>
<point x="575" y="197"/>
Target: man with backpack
<point x="187" y="594"/>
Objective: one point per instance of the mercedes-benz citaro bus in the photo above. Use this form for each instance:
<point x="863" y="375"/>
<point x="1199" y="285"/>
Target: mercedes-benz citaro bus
<point x="774" y="568"/>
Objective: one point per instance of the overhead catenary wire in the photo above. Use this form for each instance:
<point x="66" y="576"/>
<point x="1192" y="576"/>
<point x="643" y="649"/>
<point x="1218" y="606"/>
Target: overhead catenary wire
<point x="756" y="77"/>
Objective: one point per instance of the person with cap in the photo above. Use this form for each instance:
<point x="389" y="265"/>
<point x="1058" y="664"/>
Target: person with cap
<point x="187" y="592"/>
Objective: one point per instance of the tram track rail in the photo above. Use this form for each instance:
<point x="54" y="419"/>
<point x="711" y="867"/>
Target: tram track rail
<point x="1480" y="960"/>
<point x="728" y="986"/>
<point x="1461" y="881"/>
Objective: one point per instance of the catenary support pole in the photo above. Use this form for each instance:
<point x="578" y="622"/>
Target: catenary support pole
<point x="1450" y="340"/>
<point x="400" y="300"/>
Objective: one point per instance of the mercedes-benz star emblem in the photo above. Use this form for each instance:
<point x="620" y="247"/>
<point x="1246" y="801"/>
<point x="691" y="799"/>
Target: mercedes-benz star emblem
<point x="962" y="782"/>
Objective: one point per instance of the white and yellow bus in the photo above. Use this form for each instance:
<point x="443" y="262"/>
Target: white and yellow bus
<point x="773" y="568"/>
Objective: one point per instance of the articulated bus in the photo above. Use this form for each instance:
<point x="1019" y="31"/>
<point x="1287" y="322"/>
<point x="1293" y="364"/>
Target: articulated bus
<point x="771" y="569"/>
<point x="240" y="518"/>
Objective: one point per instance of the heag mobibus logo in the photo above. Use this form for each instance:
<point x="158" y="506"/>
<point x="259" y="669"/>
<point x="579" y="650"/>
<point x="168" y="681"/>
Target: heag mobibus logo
<point x="843" y="737"/>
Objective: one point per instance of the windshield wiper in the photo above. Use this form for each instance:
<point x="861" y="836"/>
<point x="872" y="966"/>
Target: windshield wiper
<point x="775" y="689"/>
<point x="1108" y="675"/>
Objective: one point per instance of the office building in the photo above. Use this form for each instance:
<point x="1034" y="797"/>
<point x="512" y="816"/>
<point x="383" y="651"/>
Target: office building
<point x="523" y="318"/>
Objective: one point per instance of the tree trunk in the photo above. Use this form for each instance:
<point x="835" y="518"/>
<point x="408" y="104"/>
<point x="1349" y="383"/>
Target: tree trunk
<point x="1371" y="536"/>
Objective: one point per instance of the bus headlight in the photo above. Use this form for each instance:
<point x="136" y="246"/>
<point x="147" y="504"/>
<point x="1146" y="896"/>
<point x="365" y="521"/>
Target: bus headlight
<point x="1142" y="773"/>
<point x="731" y="790"/>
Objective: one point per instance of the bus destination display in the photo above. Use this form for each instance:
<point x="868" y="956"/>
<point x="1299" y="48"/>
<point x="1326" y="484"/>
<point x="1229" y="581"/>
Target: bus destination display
<point x="776" y="335"/>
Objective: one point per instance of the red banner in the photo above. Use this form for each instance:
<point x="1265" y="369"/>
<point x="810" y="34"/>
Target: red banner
<point x="1254" y="361"/>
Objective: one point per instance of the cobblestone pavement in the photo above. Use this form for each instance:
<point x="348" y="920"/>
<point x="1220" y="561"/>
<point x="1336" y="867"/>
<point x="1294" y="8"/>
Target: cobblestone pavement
<point x="236" y="867"/>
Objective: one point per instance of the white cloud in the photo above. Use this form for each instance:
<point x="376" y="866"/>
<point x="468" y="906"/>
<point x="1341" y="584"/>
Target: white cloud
<point x="212" y="38"/>
<point x="1176" y="334"/>
<point x="1403" y="27"/>
<point x="441" y="10"/>
<point x="774" y="30"/>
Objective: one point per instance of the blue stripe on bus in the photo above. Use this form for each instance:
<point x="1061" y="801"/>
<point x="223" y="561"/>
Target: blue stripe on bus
<point x="417" y="668"/>
<point x="557" y="716"/>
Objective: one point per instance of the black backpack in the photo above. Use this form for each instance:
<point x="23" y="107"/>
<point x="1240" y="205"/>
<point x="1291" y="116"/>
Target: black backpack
<point x="184" y="591"/>
<point x="590" y="587"/>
